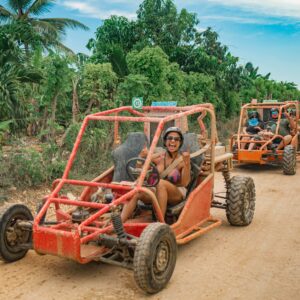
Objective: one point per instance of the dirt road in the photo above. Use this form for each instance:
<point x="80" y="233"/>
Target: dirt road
<point x="261" y="261"/>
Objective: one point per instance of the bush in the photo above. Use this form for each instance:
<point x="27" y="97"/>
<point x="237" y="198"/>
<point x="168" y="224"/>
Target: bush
<point x="70" y="136"/>
<point x="27" y="167"/>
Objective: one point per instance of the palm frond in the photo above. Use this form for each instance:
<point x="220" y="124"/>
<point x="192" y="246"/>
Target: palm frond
<point x="5" y="14"/>
<point x="14" y="4"/>
<point x="67" y="23"/>
<point x="44" y="27"/>
<point x="40" y="7"/>
<point x="29" y="75"/>
<point x="19" y="5"/>
<point x="60" y="46"/>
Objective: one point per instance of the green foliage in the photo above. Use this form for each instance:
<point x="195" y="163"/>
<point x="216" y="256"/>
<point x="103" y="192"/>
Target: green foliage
<point x="153" y="64"/>
<point x="53" y="161"/>
<point x="30" y="29"/>
<point x="132" y="86"/>
<point x="94" y="150"/>
<point x="27" y="167"/>
<point x="4" y="129"/>
<point x="162" y="26"/>
<point x="114" y="39"/>
<point x="13" y="73"/>
<point x="70" y="136"/>
<point x="159" y="56"/>
<point x="99" y="85"/>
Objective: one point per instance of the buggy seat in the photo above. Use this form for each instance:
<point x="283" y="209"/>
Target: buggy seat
<point x="132" y="147"/>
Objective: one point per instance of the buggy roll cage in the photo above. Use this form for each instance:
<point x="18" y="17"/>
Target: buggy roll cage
<point x="125" y="191"/>
<point x="281" y="106"/>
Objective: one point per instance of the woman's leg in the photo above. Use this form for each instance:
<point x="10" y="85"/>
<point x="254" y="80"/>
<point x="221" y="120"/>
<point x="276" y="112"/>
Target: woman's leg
<point x="130" y="206"/>
<point x="167" y="192"/>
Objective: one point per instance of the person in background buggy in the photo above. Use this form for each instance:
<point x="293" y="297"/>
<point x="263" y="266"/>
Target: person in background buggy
<point x="252" y="127"/>
<point x="286" y="129"/>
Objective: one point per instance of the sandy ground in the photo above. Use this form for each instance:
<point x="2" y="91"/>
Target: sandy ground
<point x="261" y="261"/>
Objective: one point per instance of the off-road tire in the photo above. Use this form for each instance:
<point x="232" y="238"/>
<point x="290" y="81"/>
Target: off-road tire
<point x="155" y="257"/>
<point x="9" y="214"/>
<point x="240" y="201"/>
<point x="289" y="160"/>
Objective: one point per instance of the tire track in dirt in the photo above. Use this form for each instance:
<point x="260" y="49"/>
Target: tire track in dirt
<point x="261" y="261"/>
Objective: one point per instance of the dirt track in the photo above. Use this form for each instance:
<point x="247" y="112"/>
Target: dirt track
<point x="261" y="261"/>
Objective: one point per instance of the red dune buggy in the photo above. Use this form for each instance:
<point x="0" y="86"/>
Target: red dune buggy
<point x="88" y="227"/>
<point x="266" y="150"/>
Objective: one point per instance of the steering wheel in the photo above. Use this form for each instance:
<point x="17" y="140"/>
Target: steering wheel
<point x="134" y="169"/>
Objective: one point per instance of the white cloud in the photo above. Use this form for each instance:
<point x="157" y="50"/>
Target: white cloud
<point x="200" y="28"/>
<point x="241" y="20"/>
<point x="105" y="8"/>
<point x="94" y="9"/>
<point x="284" y="8"/>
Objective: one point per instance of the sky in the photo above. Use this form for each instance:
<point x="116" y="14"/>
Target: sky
<point x="264" y="32"/>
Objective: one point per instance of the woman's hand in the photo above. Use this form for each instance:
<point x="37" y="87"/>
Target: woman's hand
<point x="144" y="152"/>
<point x="186" y="158"/>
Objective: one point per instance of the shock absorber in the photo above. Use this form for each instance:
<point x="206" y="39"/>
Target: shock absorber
<point x="226" y="175"/>
<point x="117" y="223"/>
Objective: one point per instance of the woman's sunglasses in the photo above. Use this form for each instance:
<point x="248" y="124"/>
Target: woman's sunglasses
<point x="173" y="138"/>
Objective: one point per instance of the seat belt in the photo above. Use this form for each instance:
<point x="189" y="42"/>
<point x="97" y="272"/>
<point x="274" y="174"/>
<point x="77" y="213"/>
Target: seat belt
<point x="176" y="162"/>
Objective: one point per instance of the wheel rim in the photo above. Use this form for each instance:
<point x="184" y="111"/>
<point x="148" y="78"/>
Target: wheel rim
<point x="15" y="236"/>
<point x="162" y="258"/>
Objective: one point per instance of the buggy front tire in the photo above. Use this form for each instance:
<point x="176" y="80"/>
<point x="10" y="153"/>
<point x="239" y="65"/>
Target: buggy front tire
<point x="155" y="257"/>
<point x="289" y="160"/>
<point x="11" y="237"/>
<point x="240" y="201"/>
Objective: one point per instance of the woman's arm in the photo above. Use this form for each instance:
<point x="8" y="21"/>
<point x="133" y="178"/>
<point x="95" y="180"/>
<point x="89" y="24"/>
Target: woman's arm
<point x="155" y="158"/>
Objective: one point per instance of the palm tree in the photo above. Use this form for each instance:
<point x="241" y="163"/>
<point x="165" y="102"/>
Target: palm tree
<point x="30" y="30"/>
<point x="12" y="75"/>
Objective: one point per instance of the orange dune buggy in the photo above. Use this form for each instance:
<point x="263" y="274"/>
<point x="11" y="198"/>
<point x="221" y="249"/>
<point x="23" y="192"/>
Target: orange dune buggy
<point x="265" y="151"/>
<point x="88" y="227"/>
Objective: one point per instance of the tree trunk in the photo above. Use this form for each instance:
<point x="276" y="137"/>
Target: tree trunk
<point x="45" y="118"/>
<point x="75" y="103"/>
<point x="53" y="113"/>
<point x="91" y="103"/>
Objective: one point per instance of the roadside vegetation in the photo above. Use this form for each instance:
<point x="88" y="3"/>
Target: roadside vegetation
<point x="46" y="90"/>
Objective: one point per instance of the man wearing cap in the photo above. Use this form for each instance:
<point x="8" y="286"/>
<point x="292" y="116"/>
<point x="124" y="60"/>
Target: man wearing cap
<point x="286" y="127"/>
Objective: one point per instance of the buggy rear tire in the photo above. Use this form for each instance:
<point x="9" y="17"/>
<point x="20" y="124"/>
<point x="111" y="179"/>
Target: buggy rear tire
<point x="240" y="201"/>
<point x="11" y="236"/>
<point x="289" y="160"/>
<point x="155" y="257"/>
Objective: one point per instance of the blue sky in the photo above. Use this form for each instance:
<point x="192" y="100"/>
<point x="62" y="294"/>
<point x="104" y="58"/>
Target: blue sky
<point x="265" y="32"/>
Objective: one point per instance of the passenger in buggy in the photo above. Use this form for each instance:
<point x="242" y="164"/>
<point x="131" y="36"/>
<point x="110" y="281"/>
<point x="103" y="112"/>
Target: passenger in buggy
<point x="252" y="127"/>
<point x="286" y="128"/>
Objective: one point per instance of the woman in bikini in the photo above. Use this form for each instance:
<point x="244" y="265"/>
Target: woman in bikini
<point x="171" y="189"/>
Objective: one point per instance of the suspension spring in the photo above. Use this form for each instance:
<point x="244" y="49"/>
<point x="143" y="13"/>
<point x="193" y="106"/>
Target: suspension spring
<point x="226" y="176"/>
<point x="118" y="225"/>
